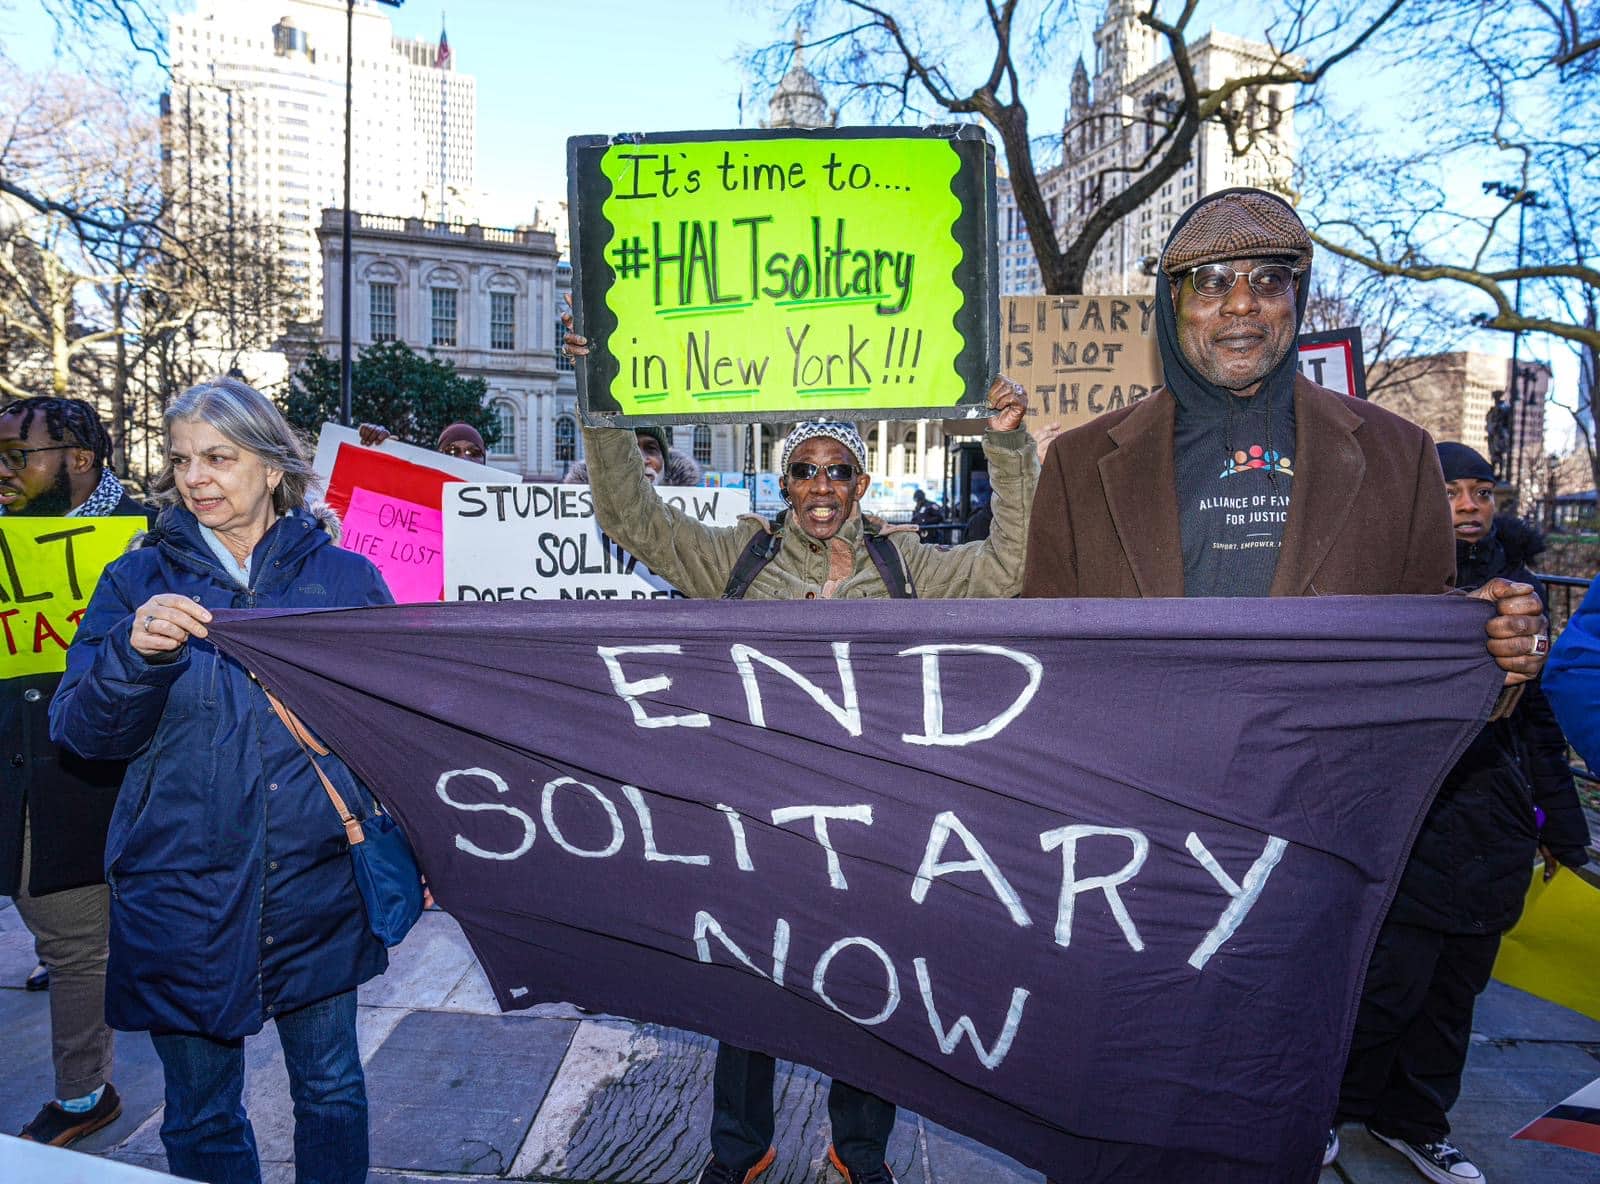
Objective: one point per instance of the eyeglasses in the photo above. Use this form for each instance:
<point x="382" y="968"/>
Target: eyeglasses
<point x="463" y="451"/>
<point x="1216" y="280"/>
<point x="16" y="459"/>
<point x="804" y="471"/>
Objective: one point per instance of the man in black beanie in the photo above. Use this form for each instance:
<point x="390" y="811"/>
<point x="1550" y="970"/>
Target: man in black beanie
<point x="1509" y="794"/>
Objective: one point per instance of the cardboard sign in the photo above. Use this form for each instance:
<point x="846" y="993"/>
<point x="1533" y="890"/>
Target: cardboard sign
<point x="48" y="571"/>
<point x="541" y="542"/>
<point x="1079" y="356"/>
<point x="782" y="274"/>
<point x="1555" y="946"/>
<point x="1333" y="359"/>
<point x="404" y="540"/>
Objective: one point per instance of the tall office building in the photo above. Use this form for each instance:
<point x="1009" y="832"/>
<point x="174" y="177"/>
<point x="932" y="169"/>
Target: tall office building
<point x="1110" y="128"/>
<point x="1453" y="394"/>
<point x="255" y="119"/>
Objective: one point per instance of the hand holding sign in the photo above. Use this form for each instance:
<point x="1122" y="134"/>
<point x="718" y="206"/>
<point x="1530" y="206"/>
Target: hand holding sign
<point x="1010" y="404"/>
<point x="573" y="345"/>
<point x="165" y="622"/>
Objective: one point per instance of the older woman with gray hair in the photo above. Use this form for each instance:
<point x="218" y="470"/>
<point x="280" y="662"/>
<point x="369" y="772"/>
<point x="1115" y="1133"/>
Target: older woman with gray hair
<point x="233" y="900"/>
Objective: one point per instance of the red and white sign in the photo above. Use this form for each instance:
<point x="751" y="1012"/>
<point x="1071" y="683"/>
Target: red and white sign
<point x="389" y="497"/>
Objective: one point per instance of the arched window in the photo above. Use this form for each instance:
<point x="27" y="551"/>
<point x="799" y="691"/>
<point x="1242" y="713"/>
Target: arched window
<point x="566" y="439"/>
<point x="505" y="415"/>
<point x="702" y="444"/>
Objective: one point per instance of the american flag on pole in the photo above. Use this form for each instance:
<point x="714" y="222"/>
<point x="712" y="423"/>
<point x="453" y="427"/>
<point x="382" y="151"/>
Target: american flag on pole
<point x="441" y="60"/>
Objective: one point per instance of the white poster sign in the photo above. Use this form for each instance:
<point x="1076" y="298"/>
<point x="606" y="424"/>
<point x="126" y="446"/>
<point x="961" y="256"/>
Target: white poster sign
<point x="541" y="542"/>
<point x="333" y="435"/>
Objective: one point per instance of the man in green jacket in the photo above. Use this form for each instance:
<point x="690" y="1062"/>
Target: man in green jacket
<point x="821" y="547"/>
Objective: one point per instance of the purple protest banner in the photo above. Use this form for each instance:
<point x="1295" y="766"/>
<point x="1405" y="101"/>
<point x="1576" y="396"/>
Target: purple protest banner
<point x="1092" y="881"/>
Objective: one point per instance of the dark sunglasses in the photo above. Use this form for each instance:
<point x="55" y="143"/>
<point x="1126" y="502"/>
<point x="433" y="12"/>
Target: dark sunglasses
<point x="804" y="471"/>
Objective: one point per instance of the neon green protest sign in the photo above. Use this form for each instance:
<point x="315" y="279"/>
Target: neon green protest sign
<point x="784" y="275"/>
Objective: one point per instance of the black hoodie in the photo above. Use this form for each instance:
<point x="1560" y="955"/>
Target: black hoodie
<point x="1234" y="458"/>
<point x="1510" y="791"/>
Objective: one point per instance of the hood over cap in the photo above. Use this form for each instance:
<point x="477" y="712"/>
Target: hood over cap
<point x="1236" y="224"/>
<point x="1195" y="393"/>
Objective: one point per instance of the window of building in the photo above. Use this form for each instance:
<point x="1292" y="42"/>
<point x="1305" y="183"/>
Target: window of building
<point x="566" y="439"/>
<point x="562" y="361"/>
<point x="910" y="462"/>
<point x="382" y="311"/>
<point x="505" y="416"/>
<point x="444" y="316"/>
<point x="702" y="444"/>
<point x="502" y="320"/>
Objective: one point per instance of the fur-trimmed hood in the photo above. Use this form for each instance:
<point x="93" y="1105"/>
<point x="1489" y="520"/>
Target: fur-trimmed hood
<point x="1522" y="541"/>
<point x="325" y="516"/>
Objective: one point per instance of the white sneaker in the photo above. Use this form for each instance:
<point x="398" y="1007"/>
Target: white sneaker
<point x="1441" y="1162"/>
<point x="1331" y="1151"/>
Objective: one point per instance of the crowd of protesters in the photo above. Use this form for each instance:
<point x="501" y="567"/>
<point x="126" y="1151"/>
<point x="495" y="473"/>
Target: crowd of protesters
<point x="220" y="880"/>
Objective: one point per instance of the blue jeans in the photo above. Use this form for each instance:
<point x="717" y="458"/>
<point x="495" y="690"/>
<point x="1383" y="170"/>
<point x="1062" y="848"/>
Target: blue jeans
<point x="206" y="1131"/>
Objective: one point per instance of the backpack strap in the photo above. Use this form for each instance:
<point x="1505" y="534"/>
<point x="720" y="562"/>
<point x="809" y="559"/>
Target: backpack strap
<point x="310" y="745"/>
<point x="761" y="550"/>
<point x="891" y="567"/>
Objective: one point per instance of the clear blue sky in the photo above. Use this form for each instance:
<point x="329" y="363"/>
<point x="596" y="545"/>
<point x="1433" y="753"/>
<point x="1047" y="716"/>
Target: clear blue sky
<point x="548" y="70"/>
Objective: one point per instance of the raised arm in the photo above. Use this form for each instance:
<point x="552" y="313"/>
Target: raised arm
<point x="694" y="558"/>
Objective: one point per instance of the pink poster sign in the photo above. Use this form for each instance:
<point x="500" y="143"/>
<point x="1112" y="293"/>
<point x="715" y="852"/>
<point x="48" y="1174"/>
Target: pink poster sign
<point x="405" y="540"/>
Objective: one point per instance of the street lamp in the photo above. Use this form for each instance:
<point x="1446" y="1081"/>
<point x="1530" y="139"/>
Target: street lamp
<point x="345" y="269"/>
<point x="1523" y="198"/>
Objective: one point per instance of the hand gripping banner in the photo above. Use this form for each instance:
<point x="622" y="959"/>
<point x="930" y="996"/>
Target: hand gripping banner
<point x="1094" y="882"/>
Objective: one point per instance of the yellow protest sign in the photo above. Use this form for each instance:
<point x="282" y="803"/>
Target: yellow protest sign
<point x="1555" y="947"/>
<point x="726" y="275"/>
<point x="48" y="571"/>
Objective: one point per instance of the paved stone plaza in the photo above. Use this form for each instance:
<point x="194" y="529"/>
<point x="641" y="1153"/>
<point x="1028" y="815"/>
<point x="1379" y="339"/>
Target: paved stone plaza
<point x="460" y="1092"/>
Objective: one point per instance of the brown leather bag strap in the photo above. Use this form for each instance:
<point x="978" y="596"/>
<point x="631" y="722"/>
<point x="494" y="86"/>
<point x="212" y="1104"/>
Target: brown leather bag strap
<point x="309" y="744"/>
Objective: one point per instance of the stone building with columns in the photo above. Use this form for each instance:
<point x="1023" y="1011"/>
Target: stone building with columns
<point x="487" y="299"/>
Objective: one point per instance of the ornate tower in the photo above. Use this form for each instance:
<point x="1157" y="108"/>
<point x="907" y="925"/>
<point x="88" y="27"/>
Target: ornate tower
<point x="1124" y="49"/>
<point x="1080" y="92"/>
<point x="798" y="101"/>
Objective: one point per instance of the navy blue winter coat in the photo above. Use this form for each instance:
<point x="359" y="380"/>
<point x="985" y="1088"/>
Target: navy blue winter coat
<point x="233" y="899"/>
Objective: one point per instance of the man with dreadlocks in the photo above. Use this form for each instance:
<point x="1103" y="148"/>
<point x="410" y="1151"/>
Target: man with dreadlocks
<point x="55" y="807"/>
<point x="1239" y="477"/>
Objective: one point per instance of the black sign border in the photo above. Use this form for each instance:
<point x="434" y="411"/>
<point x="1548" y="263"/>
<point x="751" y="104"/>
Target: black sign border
<point x="978" y="319"/>
<point x="1351" y="338"/>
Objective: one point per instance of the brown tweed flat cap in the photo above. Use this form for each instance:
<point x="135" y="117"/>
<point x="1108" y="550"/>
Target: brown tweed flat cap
<point x="1247" y="224"/>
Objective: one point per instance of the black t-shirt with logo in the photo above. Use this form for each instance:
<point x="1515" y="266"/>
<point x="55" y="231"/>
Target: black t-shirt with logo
<point x="1234" y="483"/>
